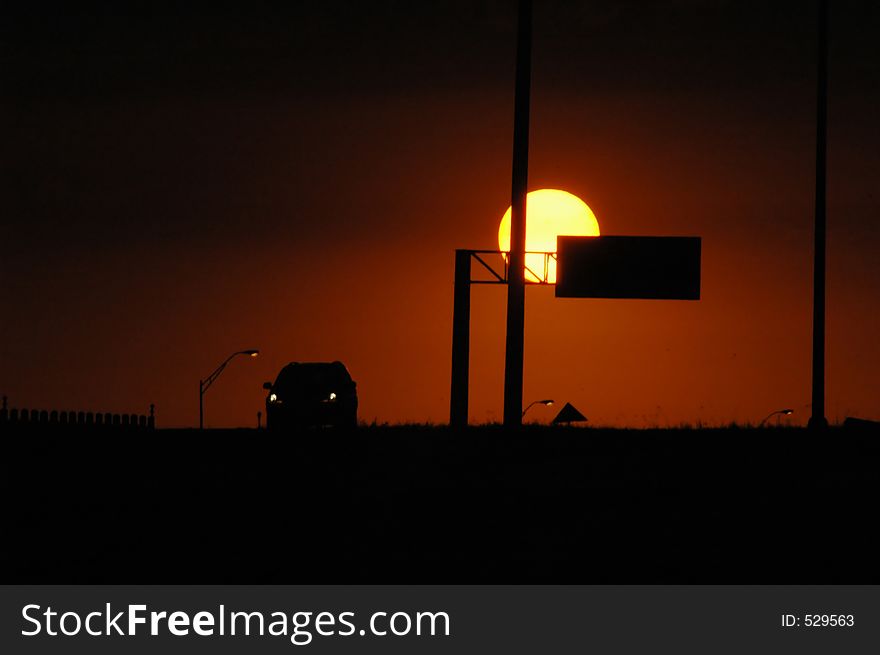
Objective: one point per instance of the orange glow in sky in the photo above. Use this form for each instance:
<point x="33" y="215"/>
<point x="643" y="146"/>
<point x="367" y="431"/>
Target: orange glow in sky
<point x="549" y="213"/>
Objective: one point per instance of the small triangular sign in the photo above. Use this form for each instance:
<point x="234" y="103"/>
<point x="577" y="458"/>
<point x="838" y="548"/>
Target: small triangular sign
<point x="569" y="414"/>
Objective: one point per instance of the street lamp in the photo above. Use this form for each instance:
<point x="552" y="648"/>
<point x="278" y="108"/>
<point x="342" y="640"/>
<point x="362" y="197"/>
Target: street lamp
<point x="546" y="403"/>
<point x="207" y="382"/>
<point x="778" y="412"/>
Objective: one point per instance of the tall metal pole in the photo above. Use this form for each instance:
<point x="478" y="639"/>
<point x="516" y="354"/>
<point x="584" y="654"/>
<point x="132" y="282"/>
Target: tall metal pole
<point x="461" y="321"/>
<point x="818" y="420"/>
<point x="513" y="368"/>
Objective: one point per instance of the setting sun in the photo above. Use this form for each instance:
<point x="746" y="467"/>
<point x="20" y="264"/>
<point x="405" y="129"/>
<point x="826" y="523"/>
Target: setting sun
<point x="549" y="213"/>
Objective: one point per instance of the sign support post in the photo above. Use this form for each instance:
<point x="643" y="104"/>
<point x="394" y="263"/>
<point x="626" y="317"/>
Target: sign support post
<point x="461" y="338"/>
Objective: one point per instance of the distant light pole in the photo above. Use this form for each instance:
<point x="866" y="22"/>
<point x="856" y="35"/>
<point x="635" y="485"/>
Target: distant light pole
<point x="516" y="290"/>
<point x="207" y="382"/>
<point x="817" y="419"/>
<point x="778" y="412"/>
<point x="546" y="403"/>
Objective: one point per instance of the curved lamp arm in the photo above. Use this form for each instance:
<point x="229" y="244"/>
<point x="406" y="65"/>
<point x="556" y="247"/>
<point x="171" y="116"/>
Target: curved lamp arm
<point x="784" y="412"/>
<point x="536" y="402"/>
<point x="208" y="381"/>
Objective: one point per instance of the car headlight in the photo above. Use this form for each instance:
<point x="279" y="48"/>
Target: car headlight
<point x="273" y="398"/>
<point x="332" y="395"/>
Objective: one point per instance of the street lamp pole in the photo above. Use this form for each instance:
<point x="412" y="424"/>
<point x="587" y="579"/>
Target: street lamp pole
<point x="207" y="382"/>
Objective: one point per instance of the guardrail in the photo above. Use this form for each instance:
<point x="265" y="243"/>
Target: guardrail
<point x="60" y="419"/>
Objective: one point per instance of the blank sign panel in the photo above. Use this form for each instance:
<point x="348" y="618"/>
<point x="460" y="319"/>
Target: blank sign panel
<point x="656" y="268"/>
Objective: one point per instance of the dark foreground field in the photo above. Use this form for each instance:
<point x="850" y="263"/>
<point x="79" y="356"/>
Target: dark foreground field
<point x="431" y="505"/>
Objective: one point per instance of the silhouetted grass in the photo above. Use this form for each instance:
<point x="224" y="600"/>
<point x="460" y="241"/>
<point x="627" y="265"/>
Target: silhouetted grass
<point x="427" y="503"/>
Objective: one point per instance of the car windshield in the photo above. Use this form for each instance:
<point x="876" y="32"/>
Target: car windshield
<point x="312" y="378"/>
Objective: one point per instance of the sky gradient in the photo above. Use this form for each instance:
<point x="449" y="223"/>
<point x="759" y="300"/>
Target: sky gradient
<point x="183" y="183"/>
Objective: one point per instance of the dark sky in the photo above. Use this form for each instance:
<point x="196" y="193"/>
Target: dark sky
<point x="182" y="180"/>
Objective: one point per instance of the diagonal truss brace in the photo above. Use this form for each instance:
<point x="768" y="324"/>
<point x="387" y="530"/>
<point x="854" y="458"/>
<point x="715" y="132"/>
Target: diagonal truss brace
<point x="495" y="264"/>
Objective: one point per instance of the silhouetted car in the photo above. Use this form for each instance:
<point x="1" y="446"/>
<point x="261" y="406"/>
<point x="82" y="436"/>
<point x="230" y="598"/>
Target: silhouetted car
<point x="312" y="394"/>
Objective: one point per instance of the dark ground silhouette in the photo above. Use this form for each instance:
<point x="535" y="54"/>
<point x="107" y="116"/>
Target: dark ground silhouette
<point x="434" y="505"/>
